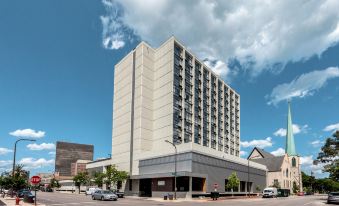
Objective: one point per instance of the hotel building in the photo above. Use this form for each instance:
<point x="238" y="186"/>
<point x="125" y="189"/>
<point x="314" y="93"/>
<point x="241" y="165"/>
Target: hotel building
<point x="167" y="94"/>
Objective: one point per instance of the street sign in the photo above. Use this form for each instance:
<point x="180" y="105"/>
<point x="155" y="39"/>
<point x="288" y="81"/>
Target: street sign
<point x="35" y="180"/>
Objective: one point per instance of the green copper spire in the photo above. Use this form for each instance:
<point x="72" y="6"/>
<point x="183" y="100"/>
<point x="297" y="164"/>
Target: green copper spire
<point x="290" y="146"/>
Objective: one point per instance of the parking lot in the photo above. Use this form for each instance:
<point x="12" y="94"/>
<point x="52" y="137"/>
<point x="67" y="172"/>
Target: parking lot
<point x="59" y="199"/>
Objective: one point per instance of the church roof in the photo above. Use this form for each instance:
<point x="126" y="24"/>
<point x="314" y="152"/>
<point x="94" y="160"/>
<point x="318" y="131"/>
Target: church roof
<point x="263" y="153"/>
<point x="290" y="146"/>
<point x="272" y="163"/>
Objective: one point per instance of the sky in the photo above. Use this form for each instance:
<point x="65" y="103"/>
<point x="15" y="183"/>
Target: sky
<point x="57" y="67"/>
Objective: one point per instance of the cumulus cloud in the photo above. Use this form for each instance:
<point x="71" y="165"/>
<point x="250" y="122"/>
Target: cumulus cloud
<point x="317" y="143"/>
<point x="4" y="151"/>
<point x="279" y="152"/>
<point x="114" y="33"/>
<point x="307" y="164"/>
<point x="42" y="146"/>
<point x="5" y="163"/>
<point x="261" y="35"/>
<point x="51" y="153"/>
<point x="32" y="163"/>
<point x="243" y="153"/>
<point x="296" y="130"/>
<point x="331" y="128"/>
<point x="261" y="143"/>
<point x="303" y="86"/>
<point x="30" y="133"/>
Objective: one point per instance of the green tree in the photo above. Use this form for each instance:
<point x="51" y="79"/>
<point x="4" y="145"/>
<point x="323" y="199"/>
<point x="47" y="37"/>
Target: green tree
<point x="295" y="187"/>
<point x="233" y="182"/>
<point x="113" y="176"/>
<point x="329" y="156"/>
<point x="20" y="178"/>
<point x="81" y="178"/>
<point x="98" y="178"/>
<point x="308" y="181"/>
<point x="55" y="183"/>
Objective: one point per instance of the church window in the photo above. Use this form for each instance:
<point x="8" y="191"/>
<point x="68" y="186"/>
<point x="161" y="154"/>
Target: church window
<point x="294" y="162"/>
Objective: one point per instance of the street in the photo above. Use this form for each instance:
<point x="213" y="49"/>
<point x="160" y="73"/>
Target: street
<point x="59" y="199"/>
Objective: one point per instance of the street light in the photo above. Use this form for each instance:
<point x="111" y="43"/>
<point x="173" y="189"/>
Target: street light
<point x="32" y="140"/>
<point x="175" y="169"/>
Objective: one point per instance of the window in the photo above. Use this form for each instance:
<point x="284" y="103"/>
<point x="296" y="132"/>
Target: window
<point x="286" y="172"/>
<point x="294" y="162"/>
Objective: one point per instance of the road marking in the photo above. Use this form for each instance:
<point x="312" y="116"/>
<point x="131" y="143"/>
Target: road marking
<point x="307" y="203"/>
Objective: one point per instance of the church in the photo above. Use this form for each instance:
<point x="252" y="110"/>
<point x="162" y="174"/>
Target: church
<point x="283" y="171"/>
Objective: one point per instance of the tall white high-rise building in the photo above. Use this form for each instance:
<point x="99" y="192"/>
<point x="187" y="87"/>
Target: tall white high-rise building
<point x="167" y="94"/>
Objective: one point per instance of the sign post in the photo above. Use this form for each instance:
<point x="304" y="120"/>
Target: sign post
<point x="35" y="180"/>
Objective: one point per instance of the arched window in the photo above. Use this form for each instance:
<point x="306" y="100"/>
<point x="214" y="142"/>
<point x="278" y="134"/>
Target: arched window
<point x="294" y="162"/>
<point x="286" y="172"/>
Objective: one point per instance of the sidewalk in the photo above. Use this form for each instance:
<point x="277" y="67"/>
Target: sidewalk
<point x="11" y="201"/>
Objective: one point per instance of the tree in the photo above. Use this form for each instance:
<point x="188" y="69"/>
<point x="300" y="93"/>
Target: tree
<point x="295" y="187"/>
<point x="20" y="178"/>
<point x="276" y="184"/>
<point x="80" y="179"/>
<point x="233" y="182"/>
<point x="329" y="156"/>
<point x="308" y="181"/>
<point x="113" y="176"/>
<point x="258" y="188"/>
<point x="55" y="183"/>
<point x="99" y="178"/>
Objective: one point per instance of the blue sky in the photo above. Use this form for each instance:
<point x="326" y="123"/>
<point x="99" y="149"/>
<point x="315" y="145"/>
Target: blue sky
<point x="57" y="67"/>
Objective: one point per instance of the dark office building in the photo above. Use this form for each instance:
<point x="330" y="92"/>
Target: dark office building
<point x="68" y="153"/>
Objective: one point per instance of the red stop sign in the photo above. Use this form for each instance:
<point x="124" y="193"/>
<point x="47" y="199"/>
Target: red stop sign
<point x="216" y="185"/>
<point x="35" y="180"/>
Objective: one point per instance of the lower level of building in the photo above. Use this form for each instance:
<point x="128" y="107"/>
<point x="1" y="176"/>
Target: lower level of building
<point x="197" y="173"/>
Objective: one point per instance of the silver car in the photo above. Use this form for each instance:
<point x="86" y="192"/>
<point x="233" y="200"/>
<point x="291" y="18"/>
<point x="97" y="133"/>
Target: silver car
<point x="104" y="195"/>
<point x="333" y="197"/>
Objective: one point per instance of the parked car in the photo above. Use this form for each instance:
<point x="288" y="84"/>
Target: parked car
<point x="333" y="197"/>
<point x="270" y="192"/>
<point x="21" y="193"/>
<point x="300" y="193"/>
<point x="91" y="190"/>
<point x="104" y="195"/>
<point x="29" y="197"/>
<point x="118" y="193"/>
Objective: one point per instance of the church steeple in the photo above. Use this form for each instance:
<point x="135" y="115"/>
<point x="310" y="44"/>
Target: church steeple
<point x="290" y="146"/>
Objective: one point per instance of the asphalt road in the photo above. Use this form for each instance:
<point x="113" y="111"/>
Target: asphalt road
<point x="59" y="199"/>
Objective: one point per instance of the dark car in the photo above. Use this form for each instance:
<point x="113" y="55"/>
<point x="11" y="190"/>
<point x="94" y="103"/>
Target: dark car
<point x="118" y="193"/>
<point x="333" y="197"/>
<point x="29" y="197"/>
<point x="21" y="193"/>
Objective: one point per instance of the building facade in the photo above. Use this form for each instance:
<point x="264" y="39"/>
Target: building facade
<point x="68" y="154"/>
<point x="284" y="170"/>
<point x="167" y="94"/>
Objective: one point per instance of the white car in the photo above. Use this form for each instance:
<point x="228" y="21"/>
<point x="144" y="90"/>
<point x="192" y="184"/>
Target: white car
<point x="270" y="192"/>
<point x="91" y="190"/>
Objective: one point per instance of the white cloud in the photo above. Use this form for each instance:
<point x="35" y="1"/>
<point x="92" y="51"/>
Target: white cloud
<point x="261" y="143"/>
<point x="279" y="152"/>
<point x="42" y="146"/>
<point x="51" y="153"/>
<point x="296" y="130"/>
<point x="4" y="151"/>
<point x="331" y="127"/>
<point x="5" y="163"/>
<point x="317" y="143"/>
<point x="261" y="35"/>
<point x="305" y="85"/>
<point x="306" y="160"/>
<point x="32" y="163"/>
<point x="28" y="133"/>
<point x="243" y="153"/>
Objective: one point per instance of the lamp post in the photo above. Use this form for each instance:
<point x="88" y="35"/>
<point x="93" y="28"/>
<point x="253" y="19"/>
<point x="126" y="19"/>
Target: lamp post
<point x="175" y="169"/>
<point x="32" y="140"/>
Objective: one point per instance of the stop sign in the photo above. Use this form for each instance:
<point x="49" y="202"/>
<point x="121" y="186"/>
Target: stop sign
<point x="216" y="185"/>
<point x="35" y="180"/>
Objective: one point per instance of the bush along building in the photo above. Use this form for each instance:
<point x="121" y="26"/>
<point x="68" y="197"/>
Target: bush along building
<point x="283" y="171"/>
<point x="173" y="113"/>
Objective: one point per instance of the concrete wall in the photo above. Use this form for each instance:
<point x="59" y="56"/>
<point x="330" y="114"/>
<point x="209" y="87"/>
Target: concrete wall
<point x="215" y="170"/>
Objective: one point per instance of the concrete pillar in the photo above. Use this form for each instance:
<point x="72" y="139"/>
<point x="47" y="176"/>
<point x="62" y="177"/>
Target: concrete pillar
<point x="189" y="193"/>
